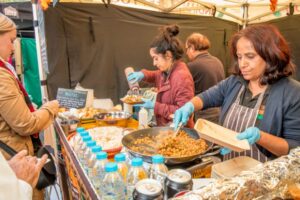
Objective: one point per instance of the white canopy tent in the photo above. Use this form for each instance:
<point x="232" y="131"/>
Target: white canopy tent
<point x="241" y="11"/>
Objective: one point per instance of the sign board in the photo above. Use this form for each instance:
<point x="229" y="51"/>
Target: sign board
<point x="71" y="98"/>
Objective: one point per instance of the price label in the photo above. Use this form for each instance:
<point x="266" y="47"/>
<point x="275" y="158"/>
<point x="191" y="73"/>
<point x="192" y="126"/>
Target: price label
<point x="69" y="98"/>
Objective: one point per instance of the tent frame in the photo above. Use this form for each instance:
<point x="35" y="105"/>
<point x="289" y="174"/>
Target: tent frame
<point x="244" y="20"/>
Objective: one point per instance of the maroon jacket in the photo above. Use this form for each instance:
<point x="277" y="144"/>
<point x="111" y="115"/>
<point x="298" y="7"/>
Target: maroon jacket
<point x="173" y="91"/>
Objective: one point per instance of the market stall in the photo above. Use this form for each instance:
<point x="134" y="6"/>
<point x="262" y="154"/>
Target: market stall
<point x="112" y="60"/>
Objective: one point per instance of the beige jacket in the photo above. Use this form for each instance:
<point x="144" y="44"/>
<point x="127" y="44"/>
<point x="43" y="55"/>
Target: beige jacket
<point x="17" y="123"/>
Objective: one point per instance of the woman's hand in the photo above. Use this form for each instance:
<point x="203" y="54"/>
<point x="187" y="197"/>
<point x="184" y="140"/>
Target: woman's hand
<point x="183" y="114"/>
<point x="135" y="77"/>
<point x="251" y="134"/>
<point x="148" y="103"/>
<point x="224" y="151"/>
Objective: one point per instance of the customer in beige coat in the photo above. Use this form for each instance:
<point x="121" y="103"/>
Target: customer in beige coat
<point x="17" y="122"/>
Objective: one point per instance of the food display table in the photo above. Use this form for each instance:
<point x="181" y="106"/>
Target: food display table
<point x="78" y="184"/>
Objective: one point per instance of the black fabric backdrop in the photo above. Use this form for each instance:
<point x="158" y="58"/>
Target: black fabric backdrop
<point x="290" y="28"/>
<point x="92" y="44"/>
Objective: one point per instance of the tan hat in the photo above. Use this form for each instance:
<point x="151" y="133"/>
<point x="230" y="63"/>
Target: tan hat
<point x="6" y="24"/>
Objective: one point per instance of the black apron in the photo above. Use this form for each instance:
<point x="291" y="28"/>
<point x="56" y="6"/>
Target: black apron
<point x="238" y="119"/>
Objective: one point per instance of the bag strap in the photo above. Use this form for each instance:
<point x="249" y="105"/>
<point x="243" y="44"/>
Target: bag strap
<point x="7" y="149"/>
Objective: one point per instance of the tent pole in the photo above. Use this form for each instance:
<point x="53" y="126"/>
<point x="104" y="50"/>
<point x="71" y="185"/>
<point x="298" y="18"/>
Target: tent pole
<point x="175" y="6"/>
<point x="245" y="14"/>
<point x="49" y="133"/>
<point x="153" y="5"/>
<point x="38" y="51"/>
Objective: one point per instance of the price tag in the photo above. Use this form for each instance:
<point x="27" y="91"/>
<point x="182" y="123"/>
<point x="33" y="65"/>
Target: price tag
<point x="69" y="98"/>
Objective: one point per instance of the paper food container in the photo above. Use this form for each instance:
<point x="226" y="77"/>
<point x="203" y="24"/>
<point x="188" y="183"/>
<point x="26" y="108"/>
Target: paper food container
<point x="219" y="135"/>
<point x="233" y="167"/>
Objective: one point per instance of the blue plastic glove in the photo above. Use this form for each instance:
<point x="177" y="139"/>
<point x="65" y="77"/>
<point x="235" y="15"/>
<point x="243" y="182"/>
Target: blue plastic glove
<point x="135" y="77"/>
<point x="251" y="134"/>
<point x="183" y="114"/>
<point x="148" y="103"/>
<point x="225" y="151"/>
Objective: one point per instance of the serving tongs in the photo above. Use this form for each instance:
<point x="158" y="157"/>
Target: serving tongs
<point x="180" y="125"/>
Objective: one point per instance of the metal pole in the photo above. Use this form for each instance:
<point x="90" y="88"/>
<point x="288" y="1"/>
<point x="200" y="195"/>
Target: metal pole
<point x="245" y="15"/>
<point x="42" y="74"/>
<point x="49" y="133"/>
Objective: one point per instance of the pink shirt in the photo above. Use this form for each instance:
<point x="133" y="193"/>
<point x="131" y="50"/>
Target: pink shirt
<point x="173" y="92"/>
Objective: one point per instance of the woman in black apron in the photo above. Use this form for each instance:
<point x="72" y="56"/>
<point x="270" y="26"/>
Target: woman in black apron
<point x="259" y="101"/>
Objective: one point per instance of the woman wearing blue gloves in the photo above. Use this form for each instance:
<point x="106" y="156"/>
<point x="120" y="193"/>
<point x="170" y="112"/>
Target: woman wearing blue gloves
<point x="173" y="80"/>
<point x="260" y="101"/>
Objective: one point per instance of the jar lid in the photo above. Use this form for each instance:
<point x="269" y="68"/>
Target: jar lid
<point x="96" y="149"/>
<point x="136" y="162"/>
<point x="158" y="159"/>
<point x="111" y="167"/>
<point x="79" y="129"/>
<point x="101" y="155"/>
<point x="120" y="157"/>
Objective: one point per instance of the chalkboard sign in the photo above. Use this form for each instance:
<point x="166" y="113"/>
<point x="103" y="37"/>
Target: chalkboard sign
<point x="71" y="98"/>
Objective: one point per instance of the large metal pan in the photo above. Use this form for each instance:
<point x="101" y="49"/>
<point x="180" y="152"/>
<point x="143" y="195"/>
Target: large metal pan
<point x="152" y="132"/>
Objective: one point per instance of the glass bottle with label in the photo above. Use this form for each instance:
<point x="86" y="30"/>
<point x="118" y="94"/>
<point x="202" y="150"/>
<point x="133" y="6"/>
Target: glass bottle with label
<point x="135" y="174"/>
<point x="113" y="187"/>
<point x="76" y="141"/>
<point x="120" y="159"/>
<point x="87" y="153"/>
<point x="82" y="147"/>
<point x="92" y="160"/>
<point x="143" y="118"/>
<point x="98" y="170"/>
<point x="158" y="169"/>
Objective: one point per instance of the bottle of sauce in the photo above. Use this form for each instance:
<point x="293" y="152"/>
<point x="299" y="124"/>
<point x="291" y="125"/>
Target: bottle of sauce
<point x="143" y="118"/>
<point x="134" y="87"/>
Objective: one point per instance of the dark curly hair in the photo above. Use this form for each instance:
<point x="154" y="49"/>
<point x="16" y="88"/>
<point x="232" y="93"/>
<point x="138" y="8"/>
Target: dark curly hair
<point x="271" y="46"/>
<point x="166" y="40"/>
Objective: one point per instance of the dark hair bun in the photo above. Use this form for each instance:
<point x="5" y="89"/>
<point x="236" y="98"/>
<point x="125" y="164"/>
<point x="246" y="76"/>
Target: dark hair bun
<point x="171" y="30"/>
<point x="166" y="40"/>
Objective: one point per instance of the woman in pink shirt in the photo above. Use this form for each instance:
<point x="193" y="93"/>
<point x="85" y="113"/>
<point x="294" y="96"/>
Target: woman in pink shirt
<point x="173" y="80"/>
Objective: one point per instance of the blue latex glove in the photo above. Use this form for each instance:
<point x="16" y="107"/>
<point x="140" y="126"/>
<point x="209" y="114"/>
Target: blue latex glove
<point x="183" y="114"/>
<point x="148" y="103"/>
<point x="225" y="151"/>
<point x="135" y="77"/>
<point x="251" y="134"/>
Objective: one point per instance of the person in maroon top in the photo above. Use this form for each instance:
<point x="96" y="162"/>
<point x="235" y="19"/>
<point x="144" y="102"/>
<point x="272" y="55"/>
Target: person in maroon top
<point x="173" y="79"/>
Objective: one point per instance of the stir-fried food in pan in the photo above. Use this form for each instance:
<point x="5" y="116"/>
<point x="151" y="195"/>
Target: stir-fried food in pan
<point x="180" y="146"/>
